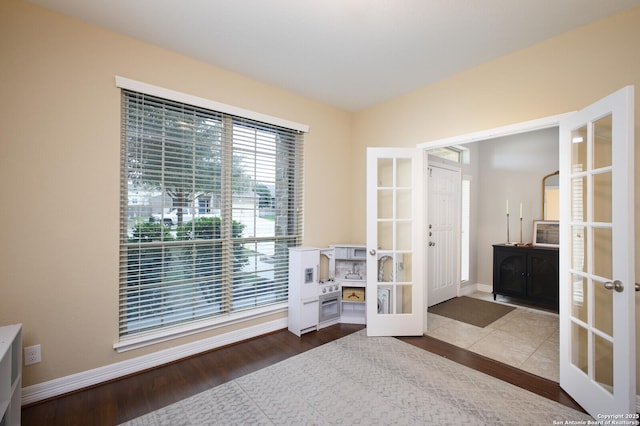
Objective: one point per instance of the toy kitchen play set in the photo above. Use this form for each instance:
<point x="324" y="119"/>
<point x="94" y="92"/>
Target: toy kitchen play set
<point x="326" y="286"/>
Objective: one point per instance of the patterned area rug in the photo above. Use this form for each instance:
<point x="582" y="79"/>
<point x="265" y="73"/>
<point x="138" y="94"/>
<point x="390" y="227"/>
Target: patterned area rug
<point x="470" y="310"/>
<point x="364" y="380"/>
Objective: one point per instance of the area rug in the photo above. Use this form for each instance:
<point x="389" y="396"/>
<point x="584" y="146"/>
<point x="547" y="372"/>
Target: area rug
<point x="364" y="380"/>
<point x="470" y="310"/>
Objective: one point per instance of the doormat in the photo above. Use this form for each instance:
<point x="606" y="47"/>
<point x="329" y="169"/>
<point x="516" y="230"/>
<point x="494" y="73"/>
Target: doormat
<point x="470" y="310"/>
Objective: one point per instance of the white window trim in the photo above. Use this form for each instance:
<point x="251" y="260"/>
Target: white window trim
<point x="163" y="335"/>
<point x="150" y="89"/>
<point x="158" y="336"/>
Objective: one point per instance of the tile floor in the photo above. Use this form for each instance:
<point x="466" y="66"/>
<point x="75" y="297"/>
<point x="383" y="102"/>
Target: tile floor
<point x="525" y="338"/>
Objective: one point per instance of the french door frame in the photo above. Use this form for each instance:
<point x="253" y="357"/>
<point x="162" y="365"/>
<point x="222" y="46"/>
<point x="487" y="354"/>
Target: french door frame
<point x="528" y="126"/>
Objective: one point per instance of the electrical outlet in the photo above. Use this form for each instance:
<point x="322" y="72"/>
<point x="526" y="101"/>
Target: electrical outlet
<point x="32" y="355"/>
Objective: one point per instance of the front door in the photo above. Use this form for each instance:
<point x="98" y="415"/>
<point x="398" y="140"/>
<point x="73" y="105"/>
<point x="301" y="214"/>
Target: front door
<point x="597" y="296"/>
<point x="443" y="225"/>
<point x="394" y="293"/>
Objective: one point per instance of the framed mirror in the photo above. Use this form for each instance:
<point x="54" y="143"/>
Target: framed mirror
<point x="551" y="196"/>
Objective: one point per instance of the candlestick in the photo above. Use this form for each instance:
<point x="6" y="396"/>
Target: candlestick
<point x="521" y="243"/>
<point x="508" y="239"/>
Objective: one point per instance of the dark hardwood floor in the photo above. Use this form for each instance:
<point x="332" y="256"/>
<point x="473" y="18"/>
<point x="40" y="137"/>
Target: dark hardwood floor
<point x="523" y="379"/>
<point x="124" y="399"/>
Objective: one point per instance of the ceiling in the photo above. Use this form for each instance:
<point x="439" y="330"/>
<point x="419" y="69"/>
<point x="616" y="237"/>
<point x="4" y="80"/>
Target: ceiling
<point x="348" y="53"/>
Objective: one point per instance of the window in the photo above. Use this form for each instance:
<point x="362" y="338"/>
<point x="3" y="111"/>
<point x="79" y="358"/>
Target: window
<point x="465" y="223"/>
<point x="448" y="153"/>
<point x="210" y="204"/>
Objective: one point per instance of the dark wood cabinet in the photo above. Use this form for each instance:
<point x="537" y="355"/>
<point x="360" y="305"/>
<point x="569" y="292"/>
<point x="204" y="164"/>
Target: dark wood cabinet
<point x="527" y="273"/>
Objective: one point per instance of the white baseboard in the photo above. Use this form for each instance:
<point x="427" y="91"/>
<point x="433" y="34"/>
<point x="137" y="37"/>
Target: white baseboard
<point x="74" y="382"/>
<point x="487" y="288"/>
<point x="468" y="289"/>
<point x="465" y="290"/>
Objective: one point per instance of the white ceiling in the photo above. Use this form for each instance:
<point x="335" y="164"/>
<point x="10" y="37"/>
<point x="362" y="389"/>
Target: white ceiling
<point x="348" y="53"/>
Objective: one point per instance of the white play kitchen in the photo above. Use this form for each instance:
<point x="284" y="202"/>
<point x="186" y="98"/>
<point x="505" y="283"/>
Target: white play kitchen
<point x="326" y="286"/>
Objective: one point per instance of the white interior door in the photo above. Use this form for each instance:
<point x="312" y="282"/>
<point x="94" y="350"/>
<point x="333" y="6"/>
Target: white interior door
<point x="395" y="237"/>
<point x="443" y="233"/>
<point x="597" y="300"/>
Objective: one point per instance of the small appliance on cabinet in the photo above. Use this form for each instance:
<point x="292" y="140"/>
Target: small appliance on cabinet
<point x="304" y="264"/>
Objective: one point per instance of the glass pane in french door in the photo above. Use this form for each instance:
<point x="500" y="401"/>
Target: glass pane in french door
<point x="591" y="252"/>
<point x="395" y="235"/>
<point x="602" y="139"/>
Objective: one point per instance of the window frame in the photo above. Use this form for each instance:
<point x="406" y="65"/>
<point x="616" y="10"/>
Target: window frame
<point x="144" y="338"/>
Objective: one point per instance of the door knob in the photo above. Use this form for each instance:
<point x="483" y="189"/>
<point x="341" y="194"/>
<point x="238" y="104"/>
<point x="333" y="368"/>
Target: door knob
<point x="616" y="285"/>
<point x="637" y="287"/>
<point x="372" y="252"/>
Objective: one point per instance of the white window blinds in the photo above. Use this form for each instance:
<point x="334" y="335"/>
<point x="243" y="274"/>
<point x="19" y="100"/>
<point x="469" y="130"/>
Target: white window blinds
<point x="210" y="204"/>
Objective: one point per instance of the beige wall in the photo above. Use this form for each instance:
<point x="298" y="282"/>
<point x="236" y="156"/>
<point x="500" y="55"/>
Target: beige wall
<point x="560" y="75"/>
<point x="510" y="168"/>
<point x="60" y="142"/>
<point x="59" y="168"/>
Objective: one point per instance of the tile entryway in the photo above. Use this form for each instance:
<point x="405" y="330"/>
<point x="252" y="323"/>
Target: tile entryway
<point x="525" y="338"/>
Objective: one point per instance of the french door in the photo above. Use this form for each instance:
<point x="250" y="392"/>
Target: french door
<point x="597" y="239"/>
<point x="395" y="241"/>
<point x="597" y="291"/>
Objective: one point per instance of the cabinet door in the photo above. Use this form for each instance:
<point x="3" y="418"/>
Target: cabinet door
<point x="543" y="277"/>
<point x="309" y="312"/>
<point x="510" y="272"/>
<point x="308" y="270"/>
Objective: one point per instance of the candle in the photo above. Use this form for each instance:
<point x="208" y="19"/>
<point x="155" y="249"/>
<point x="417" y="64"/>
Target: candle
<point x="507" y="206"/>
<point x="520" y="210"/>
